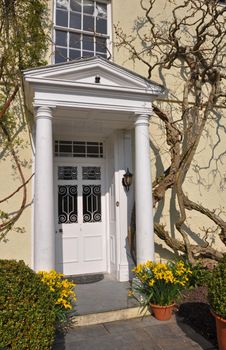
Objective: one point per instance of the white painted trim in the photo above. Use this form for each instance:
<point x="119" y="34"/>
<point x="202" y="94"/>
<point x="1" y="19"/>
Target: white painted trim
<point x="39" y="82"/>
<point x="117" y="200"/>
<point x="93" y="99"/>
<point x="107" y="199"/>
<point x="108" y="107"/>
<point x="32" y="196"/>
<point x="110" y="27"/>
<point x="57" y="72"/>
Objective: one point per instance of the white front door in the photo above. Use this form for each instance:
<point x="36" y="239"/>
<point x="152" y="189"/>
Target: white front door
<point x="80" y="227"/>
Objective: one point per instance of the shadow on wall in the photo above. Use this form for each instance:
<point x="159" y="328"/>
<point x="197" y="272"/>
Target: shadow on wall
<point x="163" y="252"/>
<point x="172" y="217"/>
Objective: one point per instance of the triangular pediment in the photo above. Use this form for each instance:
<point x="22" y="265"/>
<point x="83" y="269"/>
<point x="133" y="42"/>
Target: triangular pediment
<point x="93" y="71"/>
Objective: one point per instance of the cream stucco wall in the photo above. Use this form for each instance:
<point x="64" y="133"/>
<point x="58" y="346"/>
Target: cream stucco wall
<point x="17" y="245"/>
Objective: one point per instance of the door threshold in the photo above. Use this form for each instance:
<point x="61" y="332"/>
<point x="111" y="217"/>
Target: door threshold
<point x="86" y="278"/>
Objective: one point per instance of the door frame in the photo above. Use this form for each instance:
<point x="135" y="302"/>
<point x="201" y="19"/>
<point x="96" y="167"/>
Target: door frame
<point x="88" y="162"/>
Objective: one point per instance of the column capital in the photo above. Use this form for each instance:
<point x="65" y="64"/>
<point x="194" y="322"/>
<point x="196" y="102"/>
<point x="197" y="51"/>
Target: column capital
<point x="43" y="112"/>
<point x="142" y="119"/>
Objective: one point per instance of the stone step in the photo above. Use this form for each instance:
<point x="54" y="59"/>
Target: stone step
<point x="108" y="316"/>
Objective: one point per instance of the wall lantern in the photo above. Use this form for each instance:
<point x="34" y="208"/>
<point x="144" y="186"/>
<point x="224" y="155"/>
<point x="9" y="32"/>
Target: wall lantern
<point x="127" y="180"/>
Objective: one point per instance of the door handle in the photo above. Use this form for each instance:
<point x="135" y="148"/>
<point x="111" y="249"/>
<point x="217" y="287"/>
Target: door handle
<point x="60" y="231"/>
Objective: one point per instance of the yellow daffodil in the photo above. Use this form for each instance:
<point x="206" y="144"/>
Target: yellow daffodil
<point x="160" y="282"/>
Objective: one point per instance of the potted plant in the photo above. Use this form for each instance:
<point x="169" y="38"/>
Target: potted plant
<point x="158" y="285"/>
<point x="217" y="300"/>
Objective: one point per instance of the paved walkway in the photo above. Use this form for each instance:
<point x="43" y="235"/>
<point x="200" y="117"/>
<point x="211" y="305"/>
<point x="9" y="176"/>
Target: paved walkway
<point x="136" y="334"/>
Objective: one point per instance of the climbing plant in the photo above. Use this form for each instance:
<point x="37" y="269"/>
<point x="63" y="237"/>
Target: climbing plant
<point x="24" y="39"/>
<point x="184" y="40"/>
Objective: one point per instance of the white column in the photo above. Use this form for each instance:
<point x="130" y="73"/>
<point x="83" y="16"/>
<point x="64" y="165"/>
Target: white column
<point x="143" y="191"/>
<point x="44" y="235"/>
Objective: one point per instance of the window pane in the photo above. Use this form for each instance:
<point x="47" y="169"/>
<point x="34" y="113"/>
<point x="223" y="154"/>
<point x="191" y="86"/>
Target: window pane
<point x="56" y="148"/>
<point x="63" y="4"/>
<point x="88" y="43"/>
<point x="61" y="18"/>
<point x="67" y="173"/>
<point x="65" y="147"/>
<point x="61" y="38"/>
<point x="60" y="55"/>
<point x="79" y="148"/>
<point x="75" y="20"/>
<point x="104" y="55"/>
<point x="92" y="147"/>
<point x="76" y="5"/>
<point x="92" y="150"/>
<point x="87" y="54"/>
<point x="88" y="6"/>
<point x="91" y="173"/>
<point x="101" y="150"/>
<point x="65" y="142"/>
<point x="74" y="54"/>
<point x="75" y="41"/>
<point x="101" y="45"/>
<point x="101" y="10"/>
<point x="101" y="26"/>
<point x="88" y="23"/>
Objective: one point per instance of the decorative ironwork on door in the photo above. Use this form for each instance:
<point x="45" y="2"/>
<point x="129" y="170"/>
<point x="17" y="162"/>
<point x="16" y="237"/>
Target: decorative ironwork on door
<point x="67" y="173"/>
<point x="91" y="173"/>
<point x="67" y="204"/>
<point x="91" y="203"/>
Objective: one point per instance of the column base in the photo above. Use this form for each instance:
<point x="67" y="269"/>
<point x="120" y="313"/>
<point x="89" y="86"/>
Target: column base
<point x="123" y="273"/>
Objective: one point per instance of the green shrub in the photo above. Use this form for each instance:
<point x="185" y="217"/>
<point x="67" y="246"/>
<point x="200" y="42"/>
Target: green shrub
<point x="200" y="275"/>
<point x="27" y="316"/>
<point x="217" y="289"/>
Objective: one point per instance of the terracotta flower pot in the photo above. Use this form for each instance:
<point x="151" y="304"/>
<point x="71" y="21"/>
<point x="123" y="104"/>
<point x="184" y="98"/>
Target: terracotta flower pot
<point x="221" y="331"/>
<point x="162" y="313"/>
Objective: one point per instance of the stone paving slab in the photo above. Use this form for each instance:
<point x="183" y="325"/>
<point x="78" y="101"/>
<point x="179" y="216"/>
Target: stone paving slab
<point x="105" y="295"/>
<point x="136" y="334"/>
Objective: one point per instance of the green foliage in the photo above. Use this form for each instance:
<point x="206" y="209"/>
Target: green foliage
<point x="217" y="289"/>
<point x="24" y="41"/>
<point x="159" y="283"/>
<point x="23" y="33"/>
<point x="27" y="317"/>
<point x="200" y="275"/>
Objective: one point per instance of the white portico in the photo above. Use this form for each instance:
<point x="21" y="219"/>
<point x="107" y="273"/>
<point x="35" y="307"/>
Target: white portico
<point x="86" y="112"/>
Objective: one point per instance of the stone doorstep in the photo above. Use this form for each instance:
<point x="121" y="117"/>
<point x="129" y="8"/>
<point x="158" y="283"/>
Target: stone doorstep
<point x="108" y="316"/>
